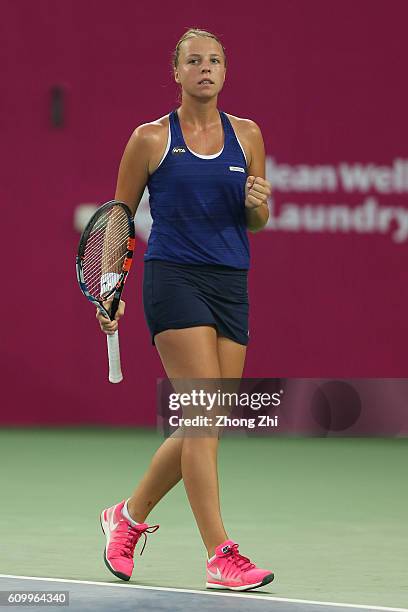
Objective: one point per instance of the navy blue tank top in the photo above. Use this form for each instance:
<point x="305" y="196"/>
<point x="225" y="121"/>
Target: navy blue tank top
<point x="197" y="203"/>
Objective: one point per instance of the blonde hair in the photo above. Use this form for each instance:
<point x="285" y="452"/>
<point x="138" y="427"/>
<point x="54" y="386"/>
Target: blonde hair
<point x="195" y="33"/>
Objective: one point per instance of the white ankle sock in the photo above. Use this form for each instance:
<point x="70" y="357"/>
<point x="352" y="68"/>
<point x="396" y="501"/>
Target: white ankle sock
<point x="212" y="558"/>
<point x="126" y="514"/>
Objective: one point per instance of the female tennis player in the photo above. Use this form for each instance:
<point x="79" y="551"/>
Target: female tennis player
<point x="205" y="172"/>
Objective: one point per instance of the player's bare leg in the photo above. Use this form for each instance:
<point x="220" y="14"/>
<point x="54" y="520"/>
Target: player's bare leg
<point x="190" y="354"/>
<point x="163" y="473"/>
<point x="165" y="468"/>
<point x="231" y="357"/>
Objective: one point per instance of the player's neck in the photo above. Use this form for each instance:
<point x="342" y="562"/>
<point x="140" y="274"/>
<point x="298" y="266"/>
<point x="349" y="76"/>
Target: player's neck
<point x="202" y="114"/>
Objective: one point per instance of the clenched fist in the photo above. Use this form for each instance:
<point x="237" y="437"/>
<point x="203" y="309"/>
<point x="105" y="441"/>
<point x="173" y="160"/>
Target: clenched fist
<point x="257" y="191"/>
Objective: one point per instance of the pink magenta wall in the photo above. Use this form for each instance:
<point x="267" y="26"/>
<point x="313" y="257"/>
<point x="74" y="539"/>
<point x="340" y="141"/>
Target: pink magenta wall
<point x="325" y="81"/>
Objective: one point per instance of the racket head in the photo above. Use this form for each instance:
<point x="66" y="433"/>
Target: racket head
<point x="106" y="250"/>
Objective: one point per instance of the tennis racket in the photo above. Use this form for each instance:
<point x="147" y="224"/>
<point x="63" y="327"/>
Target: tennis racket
<point x="103" y="262"/>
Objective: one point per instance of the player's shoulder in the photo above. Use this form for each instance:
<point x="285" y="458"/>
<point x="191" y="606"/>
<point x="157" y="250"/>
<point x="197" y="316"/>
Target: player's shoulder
<point x="245" y="127"/>
<point x="148" y="137"/>
<point x="153" y="130"/>
<point x="249" y="135"/>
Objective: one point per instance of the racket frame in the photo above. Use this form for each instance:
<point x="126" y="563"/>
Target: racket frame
<point x="116" y="291"/>
<point x="115" y="372"/>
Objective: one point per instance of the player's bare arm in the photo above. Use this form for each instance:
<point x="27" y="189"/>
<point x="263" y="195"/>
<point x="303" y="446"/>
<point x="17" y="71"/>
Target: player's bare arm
<point x="140" y="158"/>
<point x="257" y="189"/>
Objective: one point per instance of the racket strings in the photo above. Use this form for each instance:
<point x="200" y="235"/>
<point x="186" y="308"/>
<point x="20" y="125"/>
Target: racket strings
<point x="93" y="252"/>
<point x="94" y="276"/>
<point x="106" y="249"/>
<point x="104" y="254"/>
<point x="108" y="227"/>
<point x="110" y="262"/>
<point x="104" y="269"/>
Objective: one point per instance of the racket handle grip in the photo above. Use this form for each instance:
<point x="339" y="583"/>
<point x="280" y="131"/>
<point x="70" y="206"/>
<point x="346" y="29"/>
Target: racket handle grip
<point x="115" y="371"/>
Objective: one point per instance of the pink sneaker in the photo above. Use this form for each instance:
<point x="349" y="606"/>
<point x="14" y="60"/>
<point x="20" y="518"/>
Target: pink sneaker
<point x="121" y="539"/>
<point x="230" y="570"/>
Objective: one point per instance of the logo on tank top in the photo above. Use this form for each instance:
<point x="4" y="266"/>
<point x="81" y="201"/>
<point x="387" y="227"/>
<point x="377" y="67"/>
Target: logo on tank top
<point x="178" y="150"/>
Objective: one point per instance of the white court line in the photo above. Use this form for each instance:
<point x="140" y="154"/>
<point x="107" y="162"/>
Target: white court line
<point x="253" y="595"/>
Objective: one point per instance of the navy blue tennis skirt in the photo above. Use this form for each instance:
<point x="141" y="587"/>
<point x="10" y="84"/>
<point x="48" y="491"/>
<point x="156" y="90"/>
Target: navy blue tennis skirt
<point x="176" y="296"/>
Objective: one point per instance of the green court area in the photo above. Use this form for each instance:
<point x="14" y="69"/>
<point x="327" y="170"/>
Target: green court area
<point x="328" y="515"/>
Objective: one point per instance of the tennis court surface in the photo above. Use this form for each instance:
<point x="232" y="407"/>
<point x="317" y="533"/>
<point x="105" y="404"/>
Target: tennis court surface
<point x="91" y="597"/>
<point x="328" y="516"/>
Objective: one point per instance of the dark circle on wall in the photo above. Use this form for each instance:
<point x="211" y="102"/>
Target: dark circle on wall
<point x="336" y="405"/>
